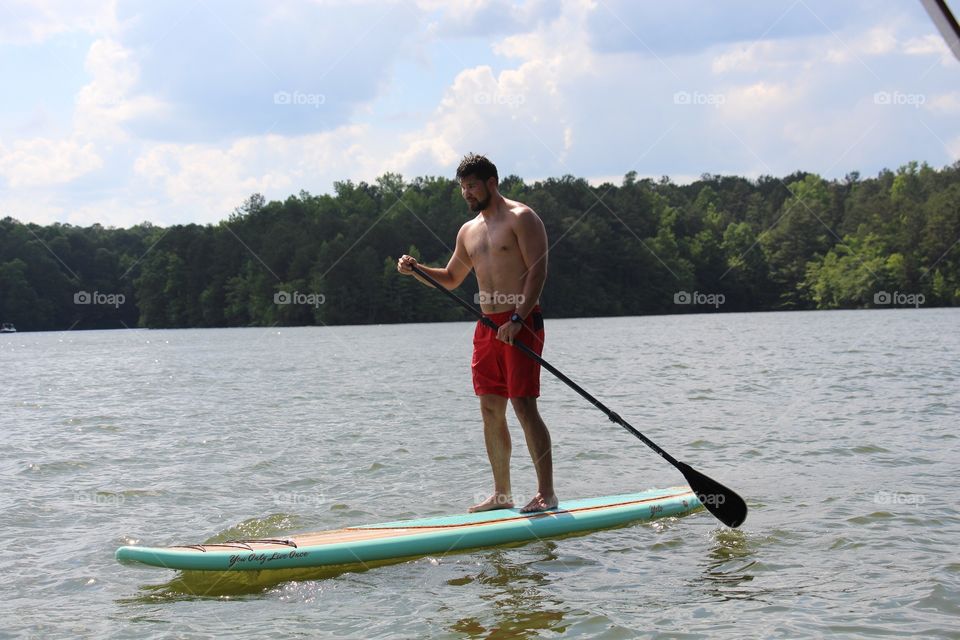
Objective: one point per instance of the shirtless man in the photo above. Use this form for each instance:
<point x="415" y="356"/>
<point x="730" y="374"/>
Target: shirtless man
<point x="507" y="246"/>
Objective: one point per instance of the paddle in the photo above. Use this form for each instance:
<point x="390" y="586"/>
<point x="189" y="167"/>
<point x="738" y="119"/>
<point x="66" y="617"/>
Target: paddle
<point x="724" y="503"/>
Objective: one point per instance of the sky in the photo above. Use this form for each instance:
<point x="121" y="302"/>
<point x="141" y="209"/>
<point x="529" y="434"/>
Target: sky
<point x="175" y="112"/>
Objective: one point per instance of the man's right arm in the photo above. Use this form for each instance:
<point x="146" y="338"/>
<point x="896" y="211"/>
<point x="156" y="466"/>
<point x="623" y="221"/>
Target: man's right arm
<point x="451" y="276"/>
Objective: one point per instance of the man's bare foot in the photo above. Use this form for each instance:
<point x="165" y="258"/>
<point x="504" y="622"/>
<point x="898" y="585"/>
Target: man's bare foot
<point x="496" y="501"/>
<point x="541" y="503"/>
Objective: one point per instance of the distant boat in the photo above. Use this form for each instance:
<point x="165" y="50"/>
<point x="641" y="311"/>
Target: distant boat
<point x="7" y="327"/>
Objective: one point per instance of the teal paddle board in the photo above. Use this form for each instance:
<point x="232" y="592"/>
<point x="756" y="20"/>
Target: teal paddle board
<point x="408" y="538"/>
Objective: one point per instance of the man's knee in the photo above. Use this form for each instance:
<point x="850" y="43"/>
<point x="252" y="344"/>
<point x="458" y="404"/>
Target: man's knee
<point x="493" y="407"/>
<point x="526" y="410"/>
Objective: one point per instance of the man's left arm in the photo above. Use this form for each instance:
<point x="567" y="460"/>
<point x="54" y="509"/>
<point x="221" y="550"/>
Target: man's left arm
<point x="532" y="238"/>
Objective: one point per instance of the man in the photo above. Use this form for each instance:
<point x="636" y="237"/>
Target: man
<point x="506" y="245"/>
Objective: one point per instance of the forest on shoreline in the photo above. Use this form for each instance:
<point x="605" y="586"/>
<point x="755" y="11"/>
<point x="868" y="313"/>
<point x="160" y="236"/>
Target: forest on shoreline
<point x="721" y="243"/>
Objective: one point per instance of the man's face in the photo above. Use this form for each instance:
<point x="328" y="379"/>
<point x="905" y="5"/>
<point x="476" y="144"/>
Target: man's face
<point x="475" y="192"/>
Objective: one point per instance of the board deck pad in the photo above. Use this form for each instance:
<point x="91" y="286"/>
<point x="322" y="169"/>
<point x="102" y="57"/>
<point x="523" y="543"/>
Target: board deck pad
<point x="424" y="536"/>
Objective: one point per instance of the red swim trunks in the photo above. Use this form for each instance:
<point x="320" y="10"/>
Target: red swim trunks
<point x="502" y="369"/>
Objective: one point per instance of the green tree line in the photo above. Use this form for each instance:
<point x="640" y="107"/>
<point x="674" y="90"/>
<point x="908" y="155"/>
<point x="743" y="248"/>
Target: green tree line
<point x="722" y="243"/>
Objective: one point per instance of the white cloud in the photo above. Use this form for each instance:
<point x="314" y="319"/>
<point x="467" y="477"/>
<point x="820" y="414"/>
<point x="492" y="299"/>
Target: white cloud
<point x="744" y="58"/>
<point x="100" y="109"/>
<point x="486" y="17"/>
<point x="931" y="44"/>
<point x="207" y="181"/>
<point x="757" y="98"/>
<point x="953" y="147"/>
<point x="875" y="42"/>
<point x="519" y="113"/>
<point x="31" y="207"/>
<point x="206" y="177"/>
<point x="490" y="114"/>
<point x="45" y="162"/>
<point x="35" y="21"/>
<point x="427" y="152"/>
<point x="116" y="211"/>
<point x="946" y="103"/>
<point x="926" y="45"/>
<point x="878" y="41"/>
<point x="103" y="105"/>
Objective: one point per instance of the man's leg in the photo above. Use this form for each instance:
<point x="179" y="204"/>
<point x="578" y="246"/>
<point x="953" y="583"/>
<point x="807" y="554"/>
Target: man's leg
<point x="497" y="437"/>
<point x="538" y="443"/>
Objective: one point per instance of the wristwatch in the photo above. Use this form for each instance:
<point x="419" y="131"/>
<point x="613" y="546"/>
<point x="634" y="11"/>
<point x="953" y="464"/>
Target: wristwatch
<point x="516" y="318"/>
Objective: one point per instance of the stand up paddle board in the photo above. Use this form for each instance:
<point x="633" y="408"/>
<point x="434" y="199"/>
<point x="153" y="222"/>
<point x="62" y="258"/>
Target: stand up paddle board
<point x="407" y="538"/>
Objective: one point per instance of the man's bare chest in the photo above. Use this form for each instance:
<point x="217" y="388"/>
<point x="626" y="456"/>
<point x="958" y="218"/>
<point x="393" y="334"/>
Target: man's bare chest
<point x="491" y="241"/>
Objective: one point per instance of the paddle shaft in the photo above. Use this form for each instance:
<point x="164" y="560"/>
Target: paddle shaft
<point x="725" y="504"/>
<point x="614" y="417"/>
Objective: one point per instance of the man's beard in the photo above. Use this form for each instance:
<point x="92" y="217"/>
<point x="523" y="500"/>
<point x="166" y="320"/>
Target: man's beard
<point x="480" y="205"/>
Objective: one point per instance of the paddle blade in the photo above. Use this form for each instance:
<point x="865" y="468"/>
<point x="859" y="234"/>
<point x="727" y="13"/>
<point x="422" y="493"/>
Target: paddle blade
<point x="728" y="507"/>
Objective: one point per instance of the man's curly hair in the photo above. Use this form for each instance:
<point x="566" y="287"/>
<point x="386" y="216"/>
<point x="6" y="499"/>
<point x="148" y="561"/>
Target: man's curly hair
<point x="478" y="166"/>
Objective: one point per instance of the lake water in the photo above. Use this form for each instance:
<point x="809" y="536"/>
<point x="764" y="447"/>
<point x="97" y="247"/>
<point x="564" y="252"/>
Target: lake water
<point x="839" y="428"/>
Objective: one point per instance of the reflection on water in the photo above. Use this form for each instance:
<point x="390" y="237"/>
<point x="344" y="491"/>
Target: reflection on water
<point x="516" y="605"/>
<point x="727" y="566"/>
<point x="191" y="585"/>
<point x="519" y="607"/>
<point x="734" y="569"/>
<point x="512" y="592"/>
